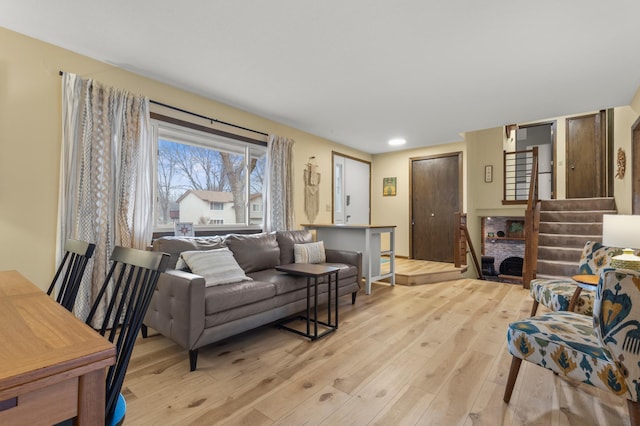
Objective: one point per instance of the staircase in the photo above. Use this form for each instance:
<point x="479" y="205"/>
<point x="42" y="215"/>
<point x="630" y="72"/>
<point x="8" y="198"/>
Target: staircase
<point x="565" y="226"/>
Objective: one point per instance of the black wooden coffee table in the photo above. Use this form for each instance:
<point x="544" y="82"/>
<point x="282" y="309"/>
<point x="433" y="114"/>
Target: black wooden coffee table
<point x="313" y="272"/>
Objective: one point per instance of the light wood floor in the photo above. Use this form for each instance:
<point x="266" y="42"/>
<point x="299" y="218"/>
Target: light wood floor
<point x="424" y="355"/>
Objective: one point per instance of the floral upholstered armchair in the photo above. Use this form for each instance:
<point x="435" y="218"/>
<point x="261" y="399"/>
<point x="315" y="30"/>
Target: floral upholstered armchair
<point x="556" y="294"/>
<point x="602" y="351"/>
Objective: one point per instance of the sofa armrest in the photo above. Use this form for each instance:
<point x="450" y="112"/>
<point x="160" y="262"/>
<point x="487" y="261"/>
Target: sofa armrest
<point x="347" y="257"/>
<point x="177" y="307"/>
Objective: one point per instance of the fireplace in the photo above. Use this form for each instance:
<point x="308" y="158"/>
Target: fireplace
<point x="512" y="266"/>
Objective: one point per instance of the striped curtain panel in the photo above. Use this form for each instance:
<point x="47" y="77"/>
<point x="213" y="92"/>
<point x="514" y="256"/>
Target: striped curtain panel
<point x="278" y="188"/>
<point x="106" y="194"/>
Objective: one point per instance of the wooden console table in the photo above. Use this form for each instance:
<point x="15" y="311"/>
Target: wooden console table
<point x="52" y="365"/>
<point x="362" y="238"/>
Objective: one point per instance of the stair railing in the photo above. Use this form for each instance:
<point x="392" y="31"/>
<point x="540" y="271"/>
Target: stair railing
<point x="531" y="225"/>
<point x="462" y="242"/>
<point x="518" y="171"/>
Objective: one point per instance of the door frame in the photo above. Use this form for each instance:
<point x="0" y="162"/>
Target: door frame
<point x="333" y="189"/>
<point x="460" y="188"/>
<point x="554" y="144"/>
<point x="604" y="150"/>
<point x="635" y="167"/>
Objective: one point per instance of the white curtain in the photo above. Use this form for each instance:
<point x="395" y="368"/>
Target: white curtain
<point x="278" y="188"/>
<point x="106" y="180"/>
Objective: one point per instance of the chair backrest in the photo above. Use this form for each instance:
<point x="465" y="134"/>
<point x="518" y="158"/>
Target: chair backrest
<point x="70" y="271"/>
<point x="596" y="257"/>
<point x="121" y="305"/>
<point x="616" y="321"/>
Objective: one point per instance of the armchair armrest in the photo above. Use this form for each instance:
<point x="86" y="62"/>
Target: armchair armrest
<point x="177" y="307"/>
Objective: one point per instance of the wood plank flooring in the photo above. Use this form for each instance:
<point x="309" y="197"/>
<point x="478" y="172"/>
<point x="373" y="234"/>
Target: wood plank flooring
<point x="422" y="355"/>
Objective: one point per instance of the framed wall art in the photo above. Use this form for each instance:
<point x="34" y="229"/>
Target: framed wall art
<point x="389" y="186"/>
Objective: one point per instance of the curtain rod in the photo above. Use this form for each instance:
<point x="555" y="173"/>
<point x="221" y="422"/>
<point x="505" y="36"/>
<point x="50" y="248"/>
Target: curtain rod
<point x="212" y="120"/>
<point x="207" y="118"/>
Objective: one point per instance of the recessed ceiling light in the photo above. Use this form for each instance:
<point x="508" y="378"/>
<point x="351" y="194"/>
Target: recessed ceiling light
<point x="397" y="142"/>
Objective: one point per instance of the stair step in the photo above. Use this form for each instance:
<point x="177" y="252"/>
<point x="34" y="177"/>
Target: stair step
<point x="565" y="254"/>
<point x="574" y="216"/>
<point x="576" y="204"/>
<point x="565" y="240"/>
<point x="553" y="267"/>
<point x="552" y="277"/>
<point x="572" y="228"/>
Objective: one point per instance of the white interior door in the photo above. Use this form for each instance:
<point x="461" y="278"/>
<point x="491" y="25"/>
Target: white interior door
<point x="351" y="186"/>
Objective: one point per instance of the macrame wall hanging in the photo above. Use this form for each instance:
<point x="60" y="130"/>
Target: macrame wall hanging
<point x="621" y="162"/>
<point x="311" y="190"/>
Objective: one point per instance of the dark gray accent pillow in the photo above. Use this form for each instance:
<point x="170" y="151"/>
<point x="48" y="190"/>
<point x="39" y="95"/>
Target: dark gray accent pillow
<point x="254" y="252"/>
<point x="286" y="240"/>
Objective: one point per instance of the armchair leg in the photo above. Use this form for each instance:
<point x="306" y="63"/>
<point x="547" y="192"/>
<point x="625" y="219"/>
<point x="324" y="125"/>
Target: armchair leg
<point x="634" y="411"/>
<point x="144" y="331"/>
<point x="353" y="297"/>
<point x="534" y="308"/>
<point x="511" y="381"/>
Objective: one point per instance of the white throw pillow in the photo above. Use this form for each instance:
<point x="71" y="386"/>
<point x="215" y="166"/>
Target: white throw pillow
<point x="309" y="253"/>
<point x="217" y="266"/>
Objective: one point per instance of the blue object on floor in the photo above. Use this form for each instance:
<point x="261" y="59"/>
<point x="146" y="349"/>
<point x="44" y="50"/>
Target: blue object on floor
<point x="118" y="413"/>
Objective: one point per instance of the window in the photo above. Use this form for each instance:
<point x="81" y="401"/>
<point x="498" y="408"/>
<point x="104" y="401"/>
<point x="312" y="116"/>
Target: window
<point x="202" y="178"/>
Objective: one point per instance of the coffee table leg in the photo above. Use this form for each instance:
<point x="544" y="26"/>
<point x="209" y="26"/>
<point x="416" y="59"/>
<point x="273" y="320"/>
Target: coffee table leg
<point x="336" y="299"/>
<point x="315" y="309"/>
<point x="329" y="299"/>
<point x="308" y="304"/>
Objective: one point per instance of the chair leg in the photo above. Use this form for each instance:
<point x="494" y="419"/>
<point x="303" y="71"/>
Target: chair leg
<point x="511" y="381"/>
<point x="353" y="297"/>
<point x="534" y="308"/>
<point x="144" y="331"/>
<point x="634" y="412"/>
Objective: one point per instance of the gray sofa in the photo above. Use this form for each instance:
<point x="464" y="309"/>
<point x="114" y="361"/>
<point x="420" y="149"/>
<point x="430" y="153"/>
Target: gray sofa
<point x="193" y="315"/>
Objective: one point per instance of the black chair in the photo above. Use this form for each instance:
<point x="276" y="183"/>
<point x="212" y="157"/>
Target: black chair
<point x="70" y="271"/>
<point x="119" y="312"/>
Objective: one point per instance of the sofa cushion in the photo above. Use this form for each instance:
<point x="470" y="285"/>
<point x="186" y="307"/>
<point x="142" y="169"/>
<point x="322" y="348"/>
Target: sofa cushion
<point x="254" y="252"/>
<point x="217" y="266"/>
<point x="286" y="240"/>
<point x="176" y="245"/>
<point x="283" y="282"/>
<point x="224" y="297"/>
<point x="309" y="253"/>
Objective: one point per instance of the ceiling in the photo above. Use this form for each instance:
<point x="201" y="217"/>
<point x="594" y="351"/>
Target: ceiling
<point x="360" y="72"/>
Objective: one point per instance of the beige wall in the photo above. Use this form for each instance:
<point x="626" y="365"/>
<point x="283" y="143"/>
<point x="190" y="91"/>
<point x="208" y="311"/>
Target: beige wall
<point x="395" y="210"/>
<point x="30" y="139"/>
<point x="30" y="116"/>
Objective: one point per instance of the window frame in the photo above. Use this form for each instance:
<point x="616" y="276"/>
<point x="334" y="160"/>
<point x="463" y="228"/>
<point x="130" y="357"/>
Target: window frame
<point x="181" y="131"/>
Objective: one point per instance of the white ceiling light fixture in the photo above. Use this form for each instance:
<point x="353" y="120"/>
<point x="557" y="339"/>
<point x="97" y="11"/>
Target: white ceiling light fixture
<point x="397" y="141"/>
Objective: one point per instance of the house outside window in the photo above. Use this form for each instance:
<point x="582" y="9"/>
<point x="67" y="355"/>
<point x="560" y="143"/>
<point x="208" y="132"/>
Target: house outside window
<point x="206" y="179"/>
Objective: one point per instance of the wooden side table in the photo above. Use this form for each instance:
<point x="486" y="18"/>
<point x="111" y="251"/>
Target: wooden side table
<point x="586" y="281"/>
<point x="313" y="272"/>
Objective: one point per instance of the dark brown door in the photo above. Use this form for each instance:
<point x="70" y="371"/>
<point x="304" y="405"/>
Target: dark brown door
<point x="586" y="156"/>
<point x="635" y="167"/>
<point x="435" y="197"/>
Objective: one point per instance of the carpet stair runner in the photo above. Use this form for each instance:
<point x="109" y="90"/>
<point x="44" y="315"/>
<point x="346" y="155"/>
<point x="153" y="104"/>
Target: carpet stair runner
<point x="565" y="226"/>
